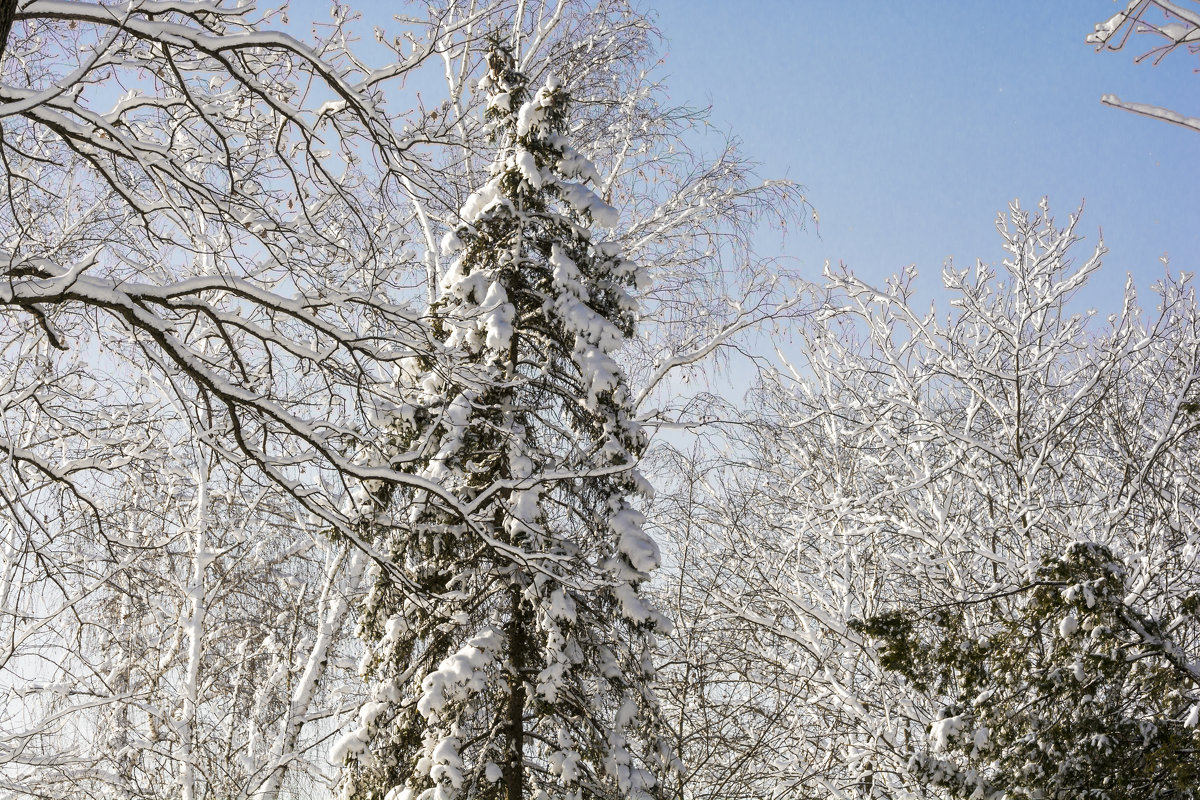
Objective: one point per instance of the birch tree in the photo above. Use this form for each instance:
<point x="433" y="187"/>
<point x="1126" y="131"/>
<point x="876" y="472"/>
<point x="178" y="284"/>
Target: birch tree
<point x="207" y="225"/>
<point x="201" y="307"/>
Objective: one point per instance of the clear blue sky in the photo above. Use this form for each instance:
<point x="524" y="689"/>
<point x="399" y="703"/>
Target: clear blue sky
<point x="911" y="124"/>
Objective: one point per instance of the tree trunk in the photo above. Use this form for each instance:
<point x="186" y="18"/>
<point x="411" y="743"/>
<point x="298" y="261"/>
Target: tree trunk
<point x="8" y="11"/>
<point x="514" y="768"/>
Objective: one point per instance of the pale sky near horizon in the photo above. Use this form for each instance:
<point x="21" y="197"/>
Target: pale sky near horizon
<point x="912" y="124"/>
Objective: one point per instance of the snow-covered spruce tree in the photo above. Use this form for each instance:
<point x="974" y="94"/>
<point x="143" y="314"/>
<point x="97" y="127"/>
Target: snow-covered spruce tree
<point x="1074" y="692"/>
<point x="510" y="644"/>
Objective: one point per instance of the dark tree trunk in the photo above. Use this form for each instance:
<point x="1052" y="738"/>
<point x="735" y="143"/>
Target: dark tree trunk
<point x="8" y="11"/>
<point x="514" y="769"/>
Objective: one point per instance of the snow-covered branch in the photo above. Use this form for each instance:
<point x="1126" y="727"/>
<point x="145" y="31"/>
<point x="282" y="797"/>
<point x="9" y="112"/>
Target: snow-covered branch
<point x="1171" y="24"/>
<point x="924" y="462"/>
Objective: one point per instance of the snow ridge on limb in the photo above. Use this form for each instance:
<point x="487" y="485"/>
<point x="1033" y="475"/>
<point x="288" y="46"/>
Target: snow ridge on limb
<point x="529" y="672"/>
<point x="1173" y="24"/>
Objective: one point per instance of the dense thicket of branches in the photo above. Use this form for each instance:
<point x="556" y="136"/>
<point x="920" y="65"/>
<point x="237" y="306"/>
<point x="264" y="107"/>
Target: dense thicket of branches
<point x="870" y="549"/>
<point x="220" y="233"/>
<point x="240" y="531"/>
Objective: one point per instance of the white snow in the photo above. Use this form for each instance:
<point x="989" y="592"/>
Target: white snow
<point x="482" y="200"/>
<point x="447" y="763"/>
<point x="500" y="100"/>
<point x="459" y="675"/>
<point x="451" y="244"/>
<point x="943" y="730"/>
<point x="633" y="606"/>
<point x="561" y="607"/>
<point x="585" y="201"/>
<point x="639" y="548"/>
<point x="353" y="742"/>
<point x="527" y="166"/>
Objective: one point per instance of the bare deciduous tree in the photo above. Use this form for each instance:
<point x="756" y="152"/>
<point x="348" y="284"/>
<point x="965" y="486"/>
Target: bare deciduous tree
<point x="928" y="462"/>
<point x="217" y="243"/>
